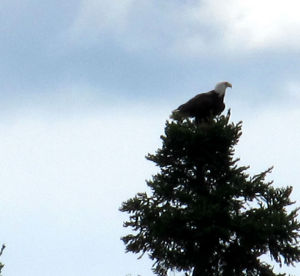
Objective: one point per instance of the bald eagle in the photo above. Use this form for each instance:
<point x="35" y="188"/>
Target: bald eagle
<point x="204" y="105"/>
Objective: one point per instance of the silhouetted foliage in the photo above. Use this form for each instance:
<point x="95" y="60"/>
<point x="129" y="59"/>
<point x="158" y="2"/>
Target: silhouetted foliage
<point x="205" y="215"/>
<point x="1" y="252"/>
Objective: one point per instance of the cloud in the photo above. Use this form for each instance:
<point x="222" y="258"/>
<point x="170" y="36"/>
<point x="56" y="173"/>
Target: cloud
<point x="259" y="24"/>
<point x="271" y="137"/>
<point x="62" y="182"/>
<point x="293" y="91"/>
<point x="192" y="27"/>
<point x="103" y="16"/>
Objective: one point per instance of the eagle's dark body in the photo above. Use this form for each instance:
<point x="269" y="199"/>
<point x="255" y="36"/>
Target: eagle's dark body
<point x="203" y="106"/>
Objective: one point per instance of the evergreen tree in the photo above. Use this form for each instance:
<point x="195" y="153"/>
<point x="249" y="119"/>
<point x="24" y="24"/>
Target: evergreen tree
<point x="205" y="213"/>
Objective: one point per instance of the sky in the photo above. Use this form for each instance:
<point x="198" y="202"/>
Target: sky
<point x="85" y="90"/>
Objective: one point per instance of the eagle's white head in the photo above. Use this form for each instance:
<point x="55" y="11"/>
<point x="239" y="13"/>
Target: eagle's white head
<point x="220" y="87"/>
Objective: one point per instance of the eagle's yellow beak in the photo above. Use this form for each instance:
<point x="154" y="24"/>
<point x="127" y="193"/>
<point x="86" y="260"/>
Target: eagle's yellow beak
<point x="229" y="84"/>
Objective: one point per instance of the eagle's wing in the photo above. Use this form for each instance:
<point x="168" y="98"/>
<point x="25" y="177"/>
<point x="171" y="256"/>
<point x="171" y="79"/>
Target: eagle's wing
<point x="201" y="103"/>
